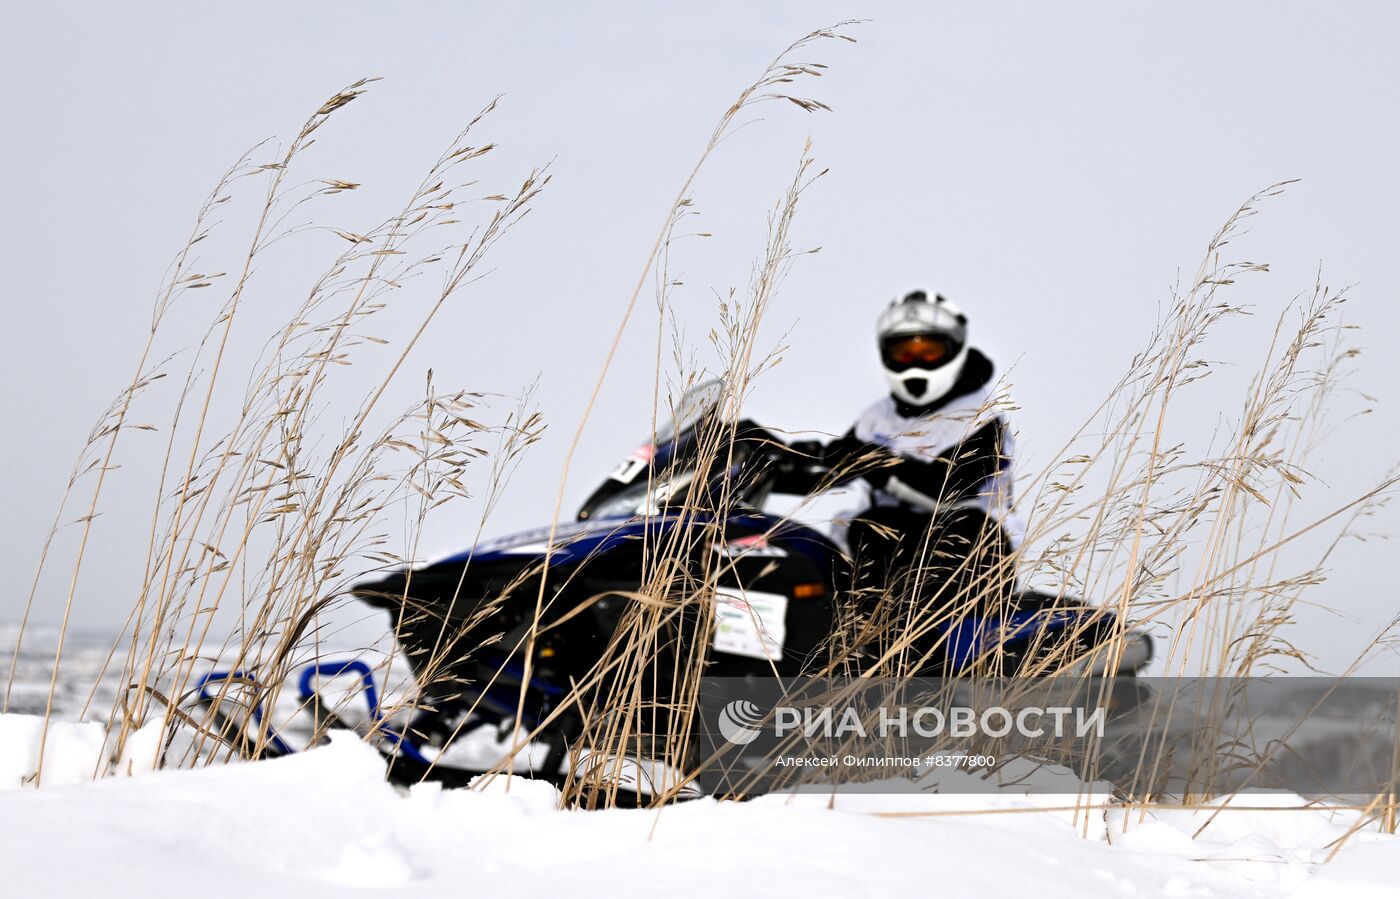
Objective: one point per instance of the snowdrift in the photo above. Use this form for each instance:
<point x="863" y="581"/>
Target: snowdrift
<point x="326" y="823"/>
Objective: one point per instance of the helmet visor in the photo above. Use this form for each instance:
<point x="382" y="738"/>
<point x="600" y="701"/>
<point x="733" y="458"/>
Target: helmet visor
<point x="917" y="351"/>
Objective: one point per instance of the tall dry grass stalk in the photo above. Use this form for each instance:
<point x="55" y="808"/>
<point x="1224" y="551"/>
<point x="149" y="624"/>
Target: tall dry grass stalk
<point x="771" y="85"/>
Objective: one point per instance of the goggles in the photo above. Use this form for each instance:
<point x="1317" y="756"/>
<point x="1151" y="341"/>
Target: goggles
<point x="917" y="351"/>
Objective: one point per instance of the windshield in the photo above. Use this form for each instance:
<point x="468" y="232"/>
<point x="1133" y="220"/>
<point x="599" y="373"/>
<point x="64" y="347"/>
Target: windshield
<point x="694" y="404"/>
<point x="627" y="490"/>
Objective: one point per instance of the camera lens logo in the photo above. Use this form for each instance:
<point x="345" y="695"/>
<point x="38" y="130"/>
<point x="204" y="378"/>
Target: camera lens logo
<point x="741" y="722"/>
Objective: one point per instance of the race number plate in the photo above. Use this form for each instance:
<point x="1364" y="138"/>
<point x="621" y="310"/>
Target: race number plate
<point x="750" y="623"/>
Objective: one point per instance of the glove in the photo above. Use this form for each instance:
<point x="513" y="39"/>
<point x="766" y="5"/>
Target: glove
<point x="810" y="452"/>
<point x="748" y="430"/>
<point x="859" y="459"/>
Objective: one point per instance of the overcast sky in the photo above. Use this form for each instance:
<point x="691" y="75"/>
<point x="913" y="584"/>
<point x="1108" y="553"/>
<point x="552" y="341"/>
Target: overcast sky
<point x="1053" y="167"/>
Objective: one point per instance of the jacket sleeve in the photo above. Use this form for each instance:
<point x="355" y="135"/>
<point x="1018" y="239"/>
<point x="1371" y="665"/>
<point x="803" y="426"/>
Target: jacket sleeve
<point x="957" y="472"/>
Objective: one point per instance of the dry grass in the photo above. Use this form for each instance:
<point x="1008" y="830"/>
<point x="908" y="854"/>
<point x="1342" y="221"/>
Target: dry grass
<point x="271" y="520"/>
<point x="261" y="520"/>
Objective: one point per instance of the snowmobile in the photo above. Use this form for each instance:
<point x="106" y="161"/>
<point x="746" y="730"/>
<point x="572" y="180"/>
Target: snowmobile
<point x="463" y="622"/>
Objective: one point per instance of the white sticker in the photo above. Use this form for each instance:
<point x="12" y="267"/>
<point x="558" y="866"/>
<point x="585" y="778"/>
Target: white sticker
<point x="754" y="546"/>
<point x="749" y="623"/>
<point x="634" y="464"/>
<point x="628" y="470"/>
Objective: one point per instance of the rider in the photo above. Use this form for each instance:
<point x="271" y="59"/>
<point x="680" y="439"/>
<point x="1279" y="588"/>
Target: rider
<point x="933" y="457"/>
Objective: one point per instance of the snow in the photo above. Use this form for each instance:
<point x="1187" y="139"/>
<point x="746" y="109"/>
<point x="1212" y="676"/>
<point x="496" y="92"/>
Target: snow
<point x="325" y="823"/>
<point x="72" y="751"/>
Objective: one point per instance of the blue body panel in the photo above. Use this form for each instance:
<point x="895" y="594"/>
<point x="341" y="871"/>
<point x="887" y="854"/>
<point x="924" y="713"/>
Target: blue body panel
<point x="973" y="635"/>
<point x="576" y="541"/>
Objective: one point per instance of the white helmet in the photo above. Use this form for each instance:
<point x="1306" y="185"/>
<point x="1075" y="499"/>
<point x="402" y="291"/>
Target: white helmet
<point x="923" y="346"/>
